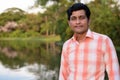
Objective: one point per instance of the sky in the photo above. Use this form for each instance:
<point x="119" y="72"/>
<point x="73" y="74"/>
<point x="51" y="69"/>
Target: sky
<point x="22" y="4"/>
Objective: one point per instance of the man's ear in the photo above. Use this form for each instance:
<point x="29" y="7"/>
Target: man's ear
<point x="89" y="22"/>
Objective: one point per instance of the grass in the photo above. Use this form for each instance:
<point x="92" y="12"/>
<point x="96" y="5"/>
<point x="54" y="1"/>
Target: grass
<point x="41" y="38"/>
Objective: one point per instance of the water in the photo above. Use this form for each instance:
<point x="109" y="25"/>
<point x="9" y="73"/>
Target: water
<point x="29" y="60"/>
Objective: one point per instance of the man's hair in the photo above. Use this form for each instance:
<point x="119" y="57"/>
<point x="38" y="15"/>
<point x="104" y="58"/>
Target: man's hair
<point x="78" y="6"/>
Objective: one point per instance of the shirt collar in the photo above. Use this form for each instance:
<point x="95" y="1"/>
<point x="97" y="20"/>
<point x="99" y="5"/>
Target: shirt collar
<point x="89" y="34"/>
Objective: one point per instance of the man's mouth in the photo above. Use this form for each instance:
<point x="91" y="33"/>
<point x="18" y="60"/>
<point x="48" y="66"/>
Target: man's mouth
<point x="78" y="26"/>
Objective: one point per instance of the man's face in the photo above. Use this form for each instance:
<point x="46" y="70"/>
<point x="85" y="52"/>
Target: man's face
<point x="79" y="22"/>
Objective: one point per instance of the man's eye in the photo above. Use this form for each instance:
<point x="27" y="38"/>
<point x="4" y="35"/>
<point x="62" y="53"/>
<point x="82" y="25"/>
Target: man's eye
<point x="77" y="18"/>
<point x="72" y="18"/>
<point x="82" y="17"/>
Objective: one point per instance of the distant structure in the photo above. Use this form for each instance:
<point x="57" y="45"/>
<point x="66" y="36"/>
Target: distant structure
<point x="10" y="26"/>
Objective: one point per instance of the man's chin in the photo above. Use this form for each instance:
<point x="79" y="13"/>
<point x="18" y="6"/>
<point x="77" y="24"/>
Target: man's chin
<point x="80" y="32"/>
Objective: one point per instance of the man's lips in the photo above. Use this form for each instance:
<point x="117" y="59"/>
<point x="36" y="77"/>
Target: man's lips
<point x="79" y="26"/>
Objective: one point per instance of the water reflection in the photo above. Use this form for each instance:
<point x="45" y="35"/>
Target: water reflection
<point x="29" y="60"/>
<point x="15" y="74"/>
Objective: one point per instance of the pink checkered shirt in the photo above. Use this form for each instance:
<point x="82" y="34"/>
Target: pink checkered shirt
<point x="89" y="59"/>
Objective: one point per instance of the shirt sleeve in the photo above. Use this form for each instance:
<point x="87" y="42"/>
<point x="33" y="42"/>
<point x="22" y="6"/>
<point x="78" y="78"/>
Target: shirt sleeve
<point x="111" y="60"/>
<point x="63" y="73"/>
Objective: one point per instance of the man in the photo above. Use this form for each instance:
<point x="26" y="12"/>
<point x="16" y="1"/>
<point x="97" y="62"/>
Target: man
<point x="87" y="55"/>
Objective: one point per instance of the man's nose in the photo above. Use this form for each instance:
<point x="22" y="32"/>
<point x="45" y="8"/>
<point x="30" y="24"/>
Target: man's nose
<point x="78" y="21"/>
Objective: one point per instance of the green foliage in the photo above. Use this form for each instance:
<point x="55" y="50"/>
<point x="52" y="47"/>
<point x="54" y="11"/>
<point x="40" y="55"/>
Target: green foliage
<point x="61" y="28"/>
<point x="16" y="33"/>
<point x="118" y="51"/>
<point x="104" y="19"/>
<point x="31" y="33"/>
<point x="11" y="15"/>
<point x="41" y="2"/>
<point x="31" y="22"/>
<point x="29" y="52"/>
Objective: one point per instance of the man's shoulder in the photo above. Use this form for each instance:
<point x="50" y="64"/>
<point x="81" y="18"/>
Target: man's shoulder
<point x="99" y="35"/>
<point x="68" y="41"/>
<point x="66" y="44"/>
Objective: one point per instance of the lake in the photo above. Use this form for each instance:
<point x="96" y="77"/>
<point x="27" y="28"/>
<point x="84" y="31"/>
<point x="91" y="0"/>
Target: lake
<point x="29" y="60"/>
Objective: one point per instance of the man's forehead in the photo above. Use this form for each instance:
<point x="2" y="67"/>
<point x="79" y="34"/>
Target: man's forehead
<point x="78" y="12"/>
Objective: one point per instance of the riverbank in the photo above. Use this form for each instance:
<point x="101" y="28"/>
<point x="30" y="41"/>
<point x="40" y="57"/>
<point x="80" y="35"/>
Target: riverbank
<point x="41" y="38"/>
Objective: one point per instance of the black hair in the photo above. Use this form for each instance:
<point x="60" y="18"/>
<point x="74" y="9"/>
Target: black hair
<point x="78" y="6"/>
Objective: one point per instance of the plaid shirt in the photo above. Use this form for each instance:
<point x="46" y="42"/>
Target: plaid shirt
<point x="89" y="59"/>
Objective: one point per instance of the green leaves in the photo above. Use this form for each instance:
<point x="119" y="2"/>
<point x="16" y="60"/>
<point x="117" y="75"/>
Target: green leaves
<point x="105" y="19"/>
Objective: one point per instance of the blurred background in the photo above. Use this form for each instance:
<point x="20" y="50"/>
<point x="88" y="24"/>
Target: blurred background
<point x="32" y="33"/>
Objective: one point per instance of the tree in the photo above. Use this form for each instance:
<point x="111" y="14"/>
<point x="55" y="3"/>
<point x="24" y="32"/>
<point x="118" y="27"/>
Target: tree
<point x="11" y="14"/>
<point x="104" y="19"/>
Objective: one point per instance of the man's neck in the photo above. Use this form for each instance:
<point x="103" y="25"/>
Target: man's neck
<point x="80" y="37"/>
